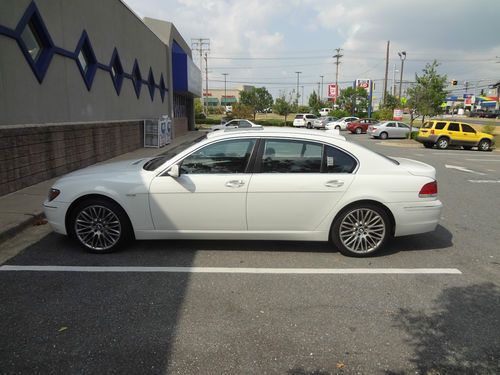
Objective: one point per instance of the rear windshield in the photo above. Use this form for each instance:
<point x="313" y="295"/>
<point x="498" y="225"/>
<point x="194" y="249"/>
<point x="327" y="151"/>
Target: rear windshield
<point x="427" y="125"/>
<point x="299" y="117"/>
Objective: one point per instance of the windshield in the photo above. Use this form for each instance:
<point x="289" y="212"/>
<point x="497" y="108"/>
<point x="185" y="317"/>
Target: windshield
<point x="156" y="162"/>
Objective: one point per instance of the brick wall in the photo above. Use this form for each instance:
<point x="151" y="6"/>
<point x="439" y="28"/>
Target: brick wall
<point x="31" y="154"/>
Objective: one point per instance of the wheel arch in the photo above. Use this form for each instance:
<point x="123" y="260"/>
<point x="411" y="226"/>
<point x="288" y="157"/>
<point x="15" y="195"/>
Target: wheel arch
<point x="360" y="202"/>
<point x="85" y="197"/>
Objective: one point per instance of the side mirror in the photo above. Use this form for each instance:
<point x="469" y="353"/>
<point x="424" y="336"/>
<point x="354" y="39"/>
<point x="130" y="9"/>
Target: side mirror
<point x="174" y="171"/>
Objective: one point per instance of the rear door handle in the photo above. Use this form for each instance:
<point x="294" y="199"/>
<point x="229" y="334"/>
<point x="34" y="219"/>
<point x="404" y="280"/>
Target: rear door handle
<point x="334" y="183"/>
<point x="235" y="183"/>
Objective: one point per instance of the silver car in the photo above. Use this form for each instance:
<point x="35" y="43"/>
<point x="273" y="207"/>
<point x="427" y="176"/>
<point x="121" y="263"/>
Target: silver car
<point x="389" y="129"/>
<point x="236" y="123"/>
<point x="320" y="123"/>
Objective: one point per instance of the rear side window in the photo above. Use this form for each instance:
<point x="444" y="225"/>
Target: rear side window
<point x="454" y="127"/>
<point x="310" y="116"/>
<point x="337" y="161"/>
<point x="290" y="156"/>
<point x="427" y="125"/>
<point x="440" y="125"/>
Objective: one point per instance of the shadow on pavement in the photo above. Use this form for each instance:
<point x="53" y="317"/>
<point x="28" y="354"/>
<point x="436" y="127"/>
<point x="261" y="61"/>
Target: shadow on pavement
<point x="461" y="335"/>
<point x="441" y="238"/>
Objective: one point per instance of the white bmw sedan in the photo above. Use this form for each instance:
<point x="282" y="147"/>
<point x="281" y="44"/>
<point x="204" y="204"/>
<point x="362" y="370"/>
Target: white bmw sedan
<point x="262" y="183"/>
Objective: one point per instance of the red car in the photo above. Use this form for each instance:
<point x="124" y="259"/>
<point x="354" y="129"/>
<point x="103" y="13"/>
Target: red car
<point x="360" y="126"/>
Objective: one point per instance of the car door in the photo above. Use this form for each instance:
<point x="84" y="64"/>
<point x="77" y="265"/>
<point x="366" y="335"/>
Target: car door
<point x="209" y="194"/>
<point x="391" y="129"/>
<point x="296" y="184"/>
<point x="469" y="136"/>
<point x="453" y="131"/>
<point x="403" y="130"/>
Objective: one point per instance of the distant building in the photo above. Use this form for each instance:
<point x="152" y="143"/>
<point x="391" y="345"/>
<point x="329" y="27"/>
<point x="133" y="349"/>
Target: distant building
<point x="78" y="78"/>
<point x="221" y="97"/>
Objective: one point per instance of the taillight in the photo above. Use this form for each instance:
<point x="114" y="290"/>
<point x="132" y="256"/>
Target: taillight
<point x="429" y="190"/>
<point x="432" y="131"/>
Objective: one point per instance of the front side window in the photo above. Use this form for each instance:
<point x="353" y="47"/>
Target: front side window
<point x="468" y="129"/>
<point x="290" y="156"/>
<point x="220" y="158"/>
<point x="390" y="125"/>
<point x="401" y="125"/>
<point x="244" y="124"/>
<point x="440" y="125"/>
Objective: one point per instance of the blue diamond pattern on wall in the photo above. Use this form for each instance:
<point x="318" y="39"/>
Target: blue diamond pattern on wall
<point x="116" y="71"/>
<point x="151" y="83"/>
<point x="37" y="46"/>
<point x="35" y="42"/>
<point x="86" y="60"/>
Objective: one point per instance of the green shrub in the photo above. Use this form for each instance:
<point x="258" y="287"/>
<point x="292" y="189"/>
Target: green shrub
<point x="383" y="114"/>
<point x="208" y="121"/>
<point x="488" y="129"/>
<point x="200" y="116"/>
<point x="339" y="113"/>
<point x="414" y="134"/>
<point x="273" y="122"/>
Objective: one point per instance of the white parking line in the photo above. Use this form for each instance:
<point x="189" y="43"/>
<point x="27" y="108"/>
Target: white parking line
<point x="236" y="270"/>
<point x="498" y="160"/>
<point x="463" y="169"/>
<point x="485" y="181"/>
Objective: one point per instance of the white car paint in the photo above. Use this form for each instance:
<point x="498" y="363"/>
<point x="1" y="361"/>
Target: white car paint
<point x="274" y="206"/>
<point x="341" y="124"/>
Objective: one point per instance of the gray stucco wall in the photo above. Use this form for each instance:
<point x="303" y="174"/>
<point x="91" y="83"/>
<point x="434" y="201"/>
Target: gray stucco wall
<point x="63" y="95"/>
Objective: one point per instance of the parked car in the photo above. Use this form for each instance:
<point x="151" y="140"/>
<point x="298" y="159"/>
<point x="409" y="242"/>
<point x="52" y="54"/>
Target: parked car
<point x="494" y="113"/>
<point x="361" y="125"/>
<point x="449" y="133"/>
<point x="236" y="123"/>
<point x="342" y="123"/>
<point x="250" y="184"/>
<point x="320" y="122"/>
<point x="304" y="120"/>
<point x="324" y="111"/>
<point x="389" y="129"/>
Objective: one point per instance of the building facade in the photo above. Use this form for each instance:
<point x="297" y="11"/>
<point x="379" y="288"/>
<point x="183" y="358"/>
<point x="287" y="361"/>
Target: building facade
<point x="223" y="97"/>
<point x="77" y="80"/>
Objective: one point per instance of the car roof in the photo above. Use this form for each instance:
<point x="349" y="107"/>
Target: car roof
<point x="278" y="131"/>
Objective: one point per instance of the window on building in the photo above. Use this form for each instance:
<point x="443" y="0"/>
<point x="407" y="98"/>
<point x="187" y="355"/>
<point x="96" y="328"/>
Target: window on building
<point x="32" y="41"/>
<point x="180" y="106"/>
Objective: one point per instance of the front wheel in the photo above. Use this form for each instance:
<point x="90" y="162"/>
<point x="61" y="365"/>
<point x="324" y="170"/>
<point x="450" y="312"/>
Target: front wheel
<point x="337" y="127"/>
<point x="358" y="131"/>
<point x="484" y="145"/>
<point x="361" y="230"/>
<point x="383" y="135"/>
<point x="99" y="225"/>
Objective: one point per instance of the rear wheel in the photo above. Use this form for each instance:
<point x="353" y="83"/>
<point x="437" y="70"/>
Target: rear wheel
<point x="383" y="135"/>
<point x="100" y="225"/>
<point x="361" y="230"/>
<point x="443" y="143"/>
<point x="337" y="127"/>
<point x="308" y="126"/>
<point x="484" y="145"/>
<point x="428" y="145"/>
<point x="358" y="131"/>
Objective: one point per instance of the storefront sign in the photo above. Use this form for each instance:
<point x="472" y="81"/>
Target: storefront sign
<point x="398" y="114"/>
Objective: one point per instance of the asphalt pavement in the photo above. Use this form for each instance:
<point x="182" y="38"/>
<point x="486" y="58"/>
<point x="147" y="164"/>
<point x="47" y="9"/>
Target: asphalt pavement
<point x="185" y="319"/>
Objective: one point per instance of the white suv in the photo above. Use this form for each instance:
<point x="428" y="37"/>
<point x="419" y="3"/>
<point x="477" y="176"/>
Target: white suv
<point x="304" y="120"/>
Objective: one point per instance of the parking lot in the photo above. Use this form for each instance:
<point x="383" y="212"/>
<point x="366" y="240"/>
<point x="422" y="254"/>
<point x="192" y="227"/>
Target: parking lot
<point x="428" y="304"/>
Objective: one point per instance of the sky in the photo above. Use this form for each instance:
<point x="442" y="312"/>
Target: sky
<point x="265" y="42"/>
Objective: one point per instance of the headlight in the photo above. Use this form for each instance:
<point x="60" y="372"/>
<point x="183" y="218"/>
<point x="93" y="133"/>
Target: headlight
<point x="53" y="193"/>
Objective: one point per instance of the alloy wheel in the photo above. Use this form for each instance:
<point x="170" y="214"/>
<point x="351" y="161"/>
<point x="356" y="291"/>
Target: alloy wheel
<point x="98" y="228"/>
<point x="362" y="230"/>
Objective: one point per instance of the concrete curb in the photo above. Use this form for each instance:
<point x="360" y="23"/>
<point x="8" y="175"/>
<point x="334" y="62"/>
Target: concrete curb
<point x="31" y="219"/>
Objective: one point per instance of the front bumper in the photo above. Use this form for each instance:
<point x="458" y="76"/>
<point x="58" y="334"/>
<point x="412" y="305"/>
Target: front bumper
<point x="416" y="217"/>
<point x="55" y="212"/>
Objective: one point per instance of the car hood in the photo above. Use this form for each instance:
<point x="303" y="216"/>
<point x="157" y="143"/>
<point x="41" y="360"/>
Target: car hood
<point x="110" y="169"/>
<point x="416" y="168"/>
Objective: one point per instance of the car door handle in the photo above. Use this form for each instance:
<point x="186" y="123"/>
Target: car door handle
<point x="235" y="183"/>
<point x="334" y="183"/>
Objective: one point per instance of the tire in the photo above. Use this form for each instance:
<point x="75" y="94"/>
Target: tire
<point x="337" y="127"/>
<point x="308" y="126"/>
<point x="443" y="143"/>
<point x="358" y="131"/>
<point x="383" y="135"/>
<point x="428" y="145"/>
<point x="353" y="237"/>
<point x="484" y="145"/>
<point x="99" y="225"/>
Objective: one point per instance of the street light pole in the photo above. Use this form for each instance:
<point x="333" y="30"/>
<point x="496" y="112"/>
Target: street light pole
<point x="321" y="97"/>
<point x="393" y="86"/>
<point x="402" y="56"/>
<point x="225" y="93"/>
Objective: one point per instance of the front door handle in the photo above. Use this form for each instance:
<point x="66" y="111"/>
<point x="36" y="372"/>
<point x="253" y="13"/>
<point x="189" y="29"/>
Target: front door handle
<point x="235" y="183"/>
<point x="334" y="183"/>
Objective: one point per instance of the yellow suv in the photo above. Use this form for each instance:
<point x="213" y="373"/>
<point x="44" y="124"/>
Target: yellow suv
<point x="449" y="133"/>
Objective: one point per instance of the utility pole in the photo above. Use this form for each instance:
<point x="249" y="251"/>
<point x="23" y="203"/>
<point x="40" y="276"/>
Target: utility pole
<point x="319" y="83"/>
<point x="337" y="57"/>
<point x="225" y="93"/>
<point x="402" y="56"/>
<point x="302" y="94"/>
<point x="393" y="86"/>
<point x="206" y="78"/>
<point x="201" y="45"/>
<point x="321" y="97"/>
<point x="386" y="71"/>
<point x="298" y="73"/>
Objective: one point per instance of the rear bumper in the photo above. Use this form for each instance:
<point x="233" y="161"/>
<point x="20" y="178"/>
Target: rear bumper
<point x="428" y="139"/>
<point x="416" y="217"/>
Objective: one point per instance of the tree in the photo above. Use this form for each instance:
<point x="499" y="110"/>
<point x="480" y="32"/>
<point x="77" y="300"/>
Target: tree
<point x="315" y="103"/>
<point x="256" y="98"/>
<point x="284" y="105"/>
<point x="391" y="102"/>
<point x="353" y="100"/>
<point x="427" y="95"/>
<point x="241" y="111"/>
